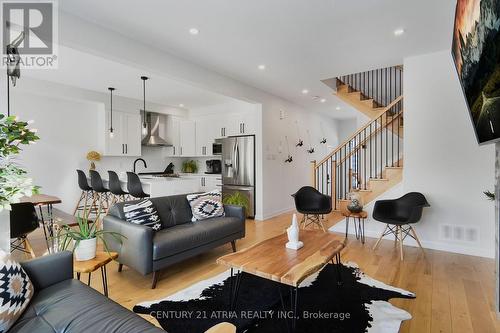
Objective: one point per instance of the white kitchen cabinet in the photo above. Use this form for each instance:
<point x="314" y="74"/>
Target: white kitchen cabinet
<point x="205" y="136"/>
<point x="126" y="140"/>
<point x="187" y="138"/>
<point x="246" y="123"/>
<point x="235" y="124"/>
<point x="173" y="136"/>
<point x="212" y="183"/>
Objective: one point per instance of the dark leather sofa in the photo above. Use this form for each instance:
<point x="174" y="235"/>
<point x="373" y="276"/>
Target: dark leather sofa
<point x="64" y="305"/>
<point x="148" y="251"/>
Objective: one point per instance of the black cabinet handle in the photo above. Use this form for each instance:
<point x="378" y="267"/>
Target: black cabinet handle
<point x="174" y="150"/>
<point x="126" y="148"/>
<point x="123" y="148"/>
<point x="243" y="125"/>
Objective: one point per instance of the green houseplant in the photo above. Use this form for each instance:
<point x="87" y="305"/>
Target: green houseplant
<point x="237" y="199"/>
<point x="14" y="180"/>
<point x="84" y="238"/>
<point x="190" y="166"/>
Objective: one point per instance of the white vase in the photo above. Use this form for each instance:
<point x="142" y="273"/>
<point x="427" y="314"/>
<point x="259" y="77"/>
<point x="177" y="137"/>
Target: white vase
<point x="86" y="249"/>
<point x="293" y="235"/>
<point x="5" y="230"/>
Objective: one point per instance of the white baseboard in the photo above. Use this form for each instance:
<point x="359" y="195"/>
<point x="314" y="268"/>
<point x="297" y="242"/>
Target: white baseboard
<point x="432" y="245"/>
<point x="275" y="213"/>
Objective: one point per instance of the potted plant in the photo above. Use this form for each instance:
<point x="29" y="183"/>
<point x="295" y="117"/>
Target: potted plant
<point x="14" y="181"/>
<point x="190" y="166"/>
<point x="84" y="238"/>
<point x="237" y="199"/>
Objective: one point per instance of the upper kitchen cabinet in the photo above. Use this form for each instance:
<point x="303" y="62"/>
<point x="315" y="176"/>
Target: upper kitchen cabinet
<point x="187" y="138"/>
<point x="126" y="140"/>
<point x="235" y="124"/>
<point x="205" y="136"/>
<point x="173" y="136"/>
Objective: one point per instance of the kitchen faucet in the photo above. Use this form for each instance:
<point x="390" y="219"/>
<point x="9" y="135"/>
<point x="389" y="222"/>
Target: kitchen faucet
<point x="140" y="159"/>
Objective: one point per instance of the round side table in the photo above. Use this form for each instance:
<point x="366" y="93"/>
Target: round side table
<point x="99" y="262"/>
<point x="359" y="224"/>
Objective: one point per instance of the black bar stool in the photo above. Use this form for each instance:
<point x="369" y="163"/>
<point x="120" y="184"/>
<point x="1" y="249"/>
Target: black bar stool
<point x="101" y="194"/>
<point x="23" y="221"/>
<point x="118" y="194"/>
<point x="134" y="186"/>
<point x="87" y="195"/>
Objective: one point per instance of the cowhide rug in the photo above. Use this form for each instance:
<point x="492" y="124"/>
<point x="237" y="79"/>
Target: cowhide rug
<point x="359" y="304"/>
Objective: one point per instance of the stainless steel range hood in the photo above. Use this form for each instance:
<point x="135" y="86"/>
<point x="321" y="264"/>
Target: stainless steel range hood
<point x="155" y="122"/>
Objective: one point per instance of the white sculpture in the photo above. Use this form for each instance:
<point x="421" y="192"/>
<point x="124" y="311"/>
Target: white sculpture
<point x="293" y="235"/>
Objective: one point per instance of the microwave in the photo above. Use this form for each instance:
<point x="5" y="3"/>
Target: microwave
<point x="217" y="148"/>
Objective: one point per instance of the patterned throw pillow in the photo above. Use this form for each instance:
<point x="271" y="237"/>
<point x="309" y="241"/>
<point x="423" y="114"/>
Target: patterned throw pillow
<point x="16" y="291"/>
<point x="144" y="213"/>
<point x="206" y="205"/>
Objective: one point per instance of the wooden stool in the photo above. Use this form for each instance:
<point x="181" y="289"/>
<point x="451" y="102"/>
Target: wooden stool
<point x="89" y="266"/>
<point x="359" y="229"/>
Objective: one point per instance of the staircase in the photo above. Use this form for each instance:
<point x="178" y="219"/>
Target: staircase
<point x="370" y="161"/>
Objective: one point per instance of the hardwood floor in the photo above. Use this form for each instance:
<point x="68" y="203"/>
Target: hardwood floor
<point x="455" y="293"/>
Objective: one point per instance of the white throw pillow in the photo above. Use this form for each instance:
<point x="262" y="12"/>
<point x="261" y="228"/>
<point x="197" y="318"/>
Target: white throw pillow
<point x="206" y="205"/>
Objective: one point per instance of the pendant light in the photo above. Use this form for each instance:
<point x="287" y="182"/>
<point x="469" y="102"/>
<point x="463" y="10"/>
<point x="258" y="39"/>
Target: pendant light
<point x="111" y="133"/>
<point x="144" y="125"/>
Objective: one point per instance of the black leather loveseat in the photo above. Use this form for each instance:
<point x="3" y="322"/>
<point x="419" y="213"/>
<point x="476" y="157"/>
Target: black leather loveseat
<point x="146" y="250"/>
<point x="64" y="305"/>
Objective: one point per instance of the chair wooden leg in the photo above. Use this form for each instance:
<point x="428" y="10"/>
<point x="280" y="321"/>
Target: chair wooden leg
<point x="120" y="267"/>
<point x="400" y="231"/>
<point x="29" y="248"/>
<point x="380" y="238"/>
<point x="156" y="275"/>
<point x="416" y="238"/>
<point x="78" y="202"/>
<point x="233" y="245"/>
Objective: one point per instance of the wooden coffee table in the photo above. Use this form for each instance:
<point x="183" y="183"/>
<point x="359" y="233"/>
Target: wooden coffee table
<point x="89" y="266"/>
<point x="270" y="259"/>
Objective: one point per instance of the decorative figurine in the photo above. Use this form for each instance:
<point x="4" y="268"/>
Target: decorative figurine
<point x="293" y="235"/>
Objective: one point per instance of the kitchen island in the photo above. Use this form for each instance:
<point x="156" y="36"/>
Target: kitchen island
<point x="184" y="184"/>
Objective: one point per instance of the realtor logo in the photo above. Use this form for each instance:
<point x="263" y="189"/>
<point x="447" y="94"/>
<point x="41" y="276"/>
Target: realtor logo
<point x="30" y="28"/>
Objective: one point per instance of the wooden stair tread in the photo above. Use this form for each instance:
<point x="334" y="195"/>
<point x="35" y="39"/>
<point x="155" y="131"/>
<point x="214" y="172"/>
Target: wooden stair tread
<point x="379" y="179"/>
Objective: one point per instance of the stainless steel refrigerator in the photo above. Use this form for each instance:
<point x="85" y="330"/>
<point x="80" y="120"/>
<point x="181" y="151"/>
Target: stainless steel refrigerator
<point x="238" y="168"/>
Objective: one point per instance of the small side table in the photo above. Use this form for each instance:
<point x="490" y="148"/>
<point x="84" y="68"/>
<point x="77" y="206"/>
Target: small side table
<point x="89" y="266"/>
<point x="359" y="224"/>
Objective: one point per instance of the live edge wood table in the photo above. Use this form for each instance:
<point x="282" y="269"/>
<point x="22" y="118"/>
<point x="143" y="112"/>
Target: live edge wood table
<point x="99" y="262"/>
<point x="270" y="259"/>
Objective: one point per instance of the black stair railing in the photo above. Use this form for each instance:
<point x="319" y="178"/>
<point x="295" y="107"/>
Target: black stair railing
<point x="363" y="156"/>
<point x="382" y="85"/>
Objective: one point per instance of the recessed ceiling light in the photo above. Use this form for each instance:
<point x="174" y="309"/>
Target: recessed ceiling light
<point x="262" y="67"/>
<point x="194" y="31"/>
<point x="399" y="32"/>
<point x="337" y="108"/>
<point x="305" y="91"/>
<point x="181" y="105"/>
<point x="323" y="100"/>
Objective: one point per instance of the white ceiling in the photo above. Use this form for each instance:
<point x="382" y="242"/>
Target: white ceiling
<point x="300" y="41"/>
<point x="95" y="73"/>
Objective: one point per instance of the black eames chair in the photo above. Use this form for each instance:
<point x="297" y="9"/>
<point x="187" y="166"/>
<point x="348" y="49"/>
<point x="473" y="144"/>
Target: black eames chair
<point x="101" y="194"/>
<point x="115" y="188"/>
<point x="399" y="215"/>
<point x="312" y="204"/>
<point x="23" y="221"/>
<point x="134" y="186"/>
<point x="87" y="195"/>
